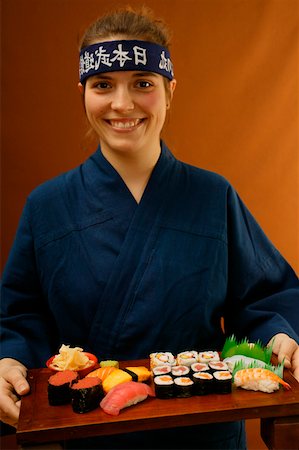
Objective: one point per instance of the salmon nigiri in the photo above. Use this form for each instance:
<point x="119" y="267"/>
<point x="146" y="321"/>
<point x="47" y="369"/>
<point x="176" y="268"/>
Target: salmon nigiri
<point x="102" y="373"/>
<point x="125" y="394"/>
<point x="259" y="379"/>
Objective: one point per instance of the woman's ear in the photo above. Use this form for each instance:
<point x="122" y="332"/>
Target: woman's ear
<point x="170" y="91"/>
<point x="172" y="87"/>
<point x="81" y="88"/>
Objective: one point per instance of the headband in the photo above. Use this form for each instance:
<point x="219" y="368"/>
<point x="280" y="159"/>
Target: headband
<point x="125" y="55"/>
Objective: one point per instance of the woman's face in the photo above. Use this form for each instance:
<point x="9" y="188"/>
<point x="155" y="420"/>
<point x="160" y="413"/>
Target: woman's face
<point x="127" y="109"/>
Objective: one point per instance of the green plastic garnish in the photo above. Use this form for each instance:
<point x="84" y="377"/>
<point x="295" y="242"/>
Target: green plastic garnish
<point x="244" y="347"/>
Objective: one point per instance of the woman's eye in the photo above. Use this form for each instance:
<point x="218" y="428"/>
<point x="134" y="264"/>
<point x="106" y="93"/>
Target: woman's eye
<point x="144" y="84"/>
<point x="102" y="85"/>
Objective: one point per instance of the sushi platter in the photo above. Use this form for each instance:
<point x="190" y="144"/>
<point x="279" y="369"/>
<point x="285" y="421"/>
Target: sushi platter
<point x="40" y="422"/>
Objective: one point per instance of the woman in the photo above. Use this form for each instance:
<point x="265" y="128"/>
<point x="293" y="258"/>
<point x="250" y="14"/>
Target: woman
<point x="157" y="250"/>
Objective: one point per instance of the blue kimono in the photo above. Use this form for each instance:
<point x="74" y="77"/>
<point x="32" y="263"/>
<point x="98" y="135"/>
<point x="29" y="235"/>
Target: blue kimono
<point x="91" y="267"/>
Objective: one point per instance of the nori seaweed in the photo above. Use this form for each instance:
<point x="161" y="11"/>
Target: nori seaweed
<point x="59" y="395"/>
<point x="181" y="391"/>
<point x="203" y="386"/>
<point x="133" y="374"/>
<point x="86" y="399"/>
<point x="164" y="391"/>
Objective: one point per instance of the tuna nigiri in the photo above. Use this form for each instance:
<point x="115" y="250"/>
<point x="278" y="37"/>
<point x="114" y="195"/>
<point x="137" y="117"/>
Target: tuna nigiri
<point x="259" y="379"/>
<point x="125" y="394"/>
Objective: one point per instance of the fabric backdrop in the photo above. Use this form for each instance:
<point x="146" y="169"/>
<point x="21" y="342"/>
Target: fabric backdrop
<point x="235" y="109"/>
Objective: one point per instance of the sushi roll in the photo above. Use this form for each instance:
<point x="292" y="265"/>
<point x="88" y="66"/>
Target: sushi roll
<point x="86" y="394"/>
<point x="180" y="371"/>
<point x="217" y="365"/>
<point x="164" y="386"/>
<point x="187" y="358"/>
<point x="161" y="358"/>
<point x="59" y="387"/>
<point x="222" y="382"/>
<point x="183" y="387"/>
<point x="206" y="357"/>
<point x="203" y="383"/>
<point x="162" y="370"/>
<point x="200" y="367"/>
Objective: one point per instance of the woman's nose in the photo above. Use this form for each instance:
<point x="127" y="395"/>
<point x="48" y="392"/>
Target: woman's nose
<point x="122" y="100"/>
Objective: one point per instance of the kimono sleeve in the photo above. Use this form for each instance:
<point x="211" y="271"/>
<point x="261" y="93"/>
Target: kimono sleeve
<point x="263" y="290"/>
<point x="26" y="326"/>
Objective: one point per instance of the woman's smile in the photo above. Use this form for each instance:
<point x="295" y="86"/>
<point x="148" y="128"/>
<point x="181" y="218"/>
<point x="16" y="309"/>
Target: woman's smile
<point x="124" y="125"/>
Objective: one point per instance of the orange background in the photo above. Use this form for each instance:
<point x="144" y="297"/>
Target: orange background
<point x="235" y="109"/>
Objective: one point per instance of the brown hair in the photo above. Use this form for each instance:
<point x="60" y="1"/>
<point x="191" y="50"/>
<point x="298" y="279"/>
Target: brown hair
<point x="133" y="24"/>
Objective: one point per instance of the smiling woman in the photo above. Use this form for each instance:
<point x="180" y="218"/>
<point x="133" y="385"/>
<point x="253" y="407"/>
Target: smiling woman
<point x="127" y="110"/>
<point x="135" y="251"/>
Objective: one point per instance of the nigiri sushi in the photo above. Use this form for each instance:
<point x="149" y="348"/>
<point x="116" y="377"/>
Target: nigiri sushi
<point x="119" y="376"/>
<point x="124" y="395"/>
<point x="102" y="372"/>
<point x="259" y="379"/>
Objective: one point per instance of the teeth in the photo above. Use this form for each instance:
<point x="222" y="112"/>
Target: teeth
<point x="125" y="124"/>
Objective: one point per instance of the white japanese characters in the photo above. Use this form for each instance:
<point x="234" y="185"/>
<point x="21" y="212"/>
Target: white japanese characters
<point x="165" y="63"/>
<point x="97" y="58"/>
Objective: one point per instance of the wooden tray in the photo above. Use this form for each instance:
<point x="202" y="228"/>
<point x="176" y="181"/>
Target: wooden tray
<point x="40" y="422"/>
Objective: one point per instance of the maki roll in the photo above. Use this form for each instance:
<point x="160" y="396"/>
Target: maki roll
<point x="203" y="383"/>
<point x="161" y="358"/>
<point x="206" y="357"/>
<point x="183" y="387"/>
<point x="222" y="382"/>
<point x="217" y="365"/>
<point x="187" y="358"/>
<point x="162" y="370"/>
<point x="59" y="387"/>
<point x="199" y="367"/>
<point x="86" y="394"/>
<point x="164" y="386"/>
<point x="180" y="371"/>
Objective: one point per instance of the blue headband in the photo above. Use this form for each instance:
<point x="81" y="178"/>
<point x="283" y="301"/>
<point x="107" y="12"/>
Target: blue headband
<point x="125" y="55"/>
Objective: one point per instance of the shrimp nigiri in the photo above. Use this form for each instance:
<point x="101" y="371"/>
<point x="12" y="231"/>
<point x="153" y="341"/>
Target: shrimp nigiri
<point x="259" y="379"/>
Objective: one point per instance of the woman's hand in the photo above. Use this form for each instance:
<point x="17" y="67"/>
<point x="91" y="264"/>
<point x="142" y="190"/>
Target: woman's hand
<point x="288" y="349"/>
<point x="13" y="385"/>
